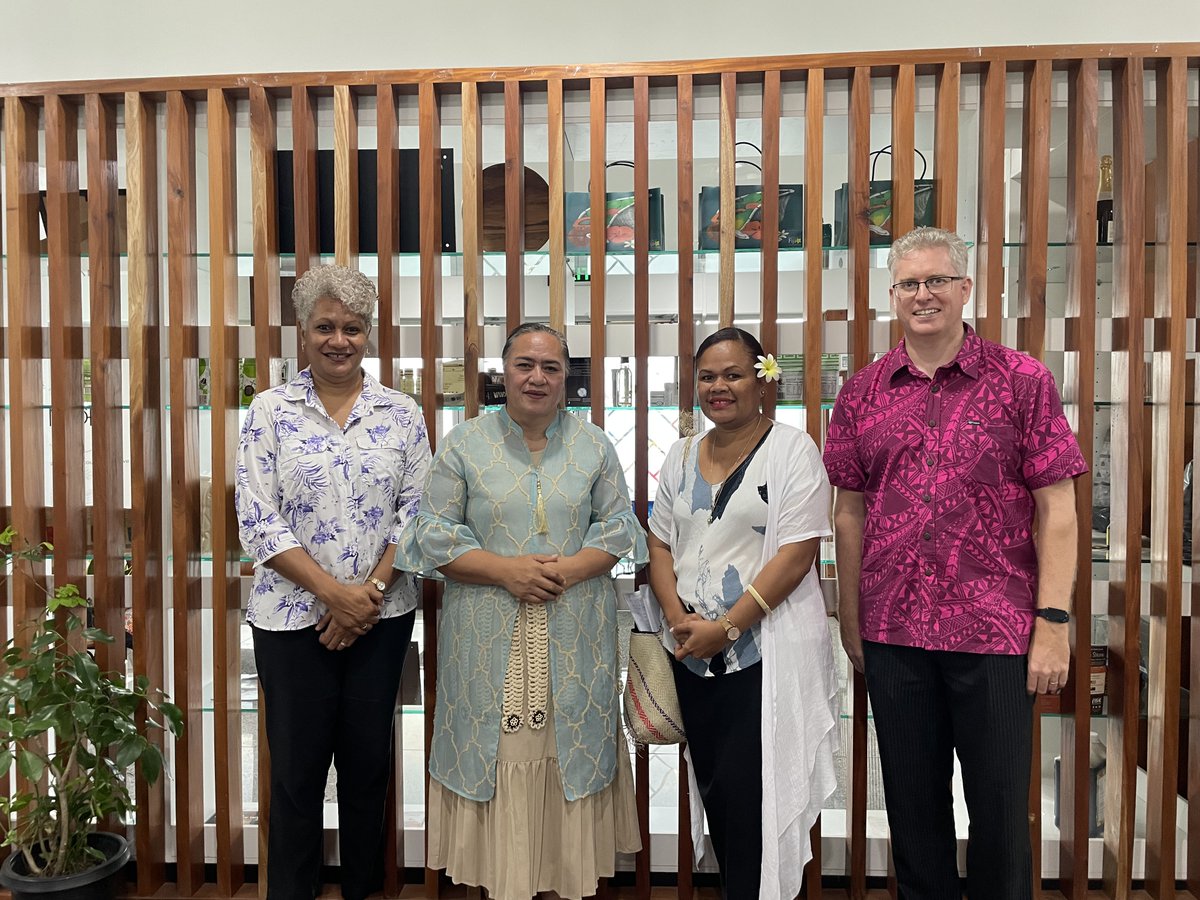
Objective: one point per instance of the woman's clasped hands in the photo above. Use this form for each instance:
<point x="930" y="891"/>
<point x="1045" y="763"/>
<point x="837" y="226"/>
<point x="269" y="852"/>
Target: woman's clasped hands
<point x="698" y="637"/>
<point x="533" y="578"/>
<point x="353" y="611"/>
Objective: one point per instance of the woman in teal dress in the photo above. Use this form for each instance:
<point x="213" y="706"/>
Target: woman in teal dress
<point x="525" y="514"/>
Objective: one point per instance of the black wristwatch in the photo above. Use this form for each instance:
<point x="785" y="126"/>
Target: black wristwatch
<point x="1053" y="614"/>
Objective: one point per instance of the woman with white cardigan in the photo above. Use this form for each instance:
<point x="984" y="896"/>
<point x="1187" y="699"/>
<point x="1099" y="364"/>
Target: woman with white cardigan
<point x="734" y="535"/>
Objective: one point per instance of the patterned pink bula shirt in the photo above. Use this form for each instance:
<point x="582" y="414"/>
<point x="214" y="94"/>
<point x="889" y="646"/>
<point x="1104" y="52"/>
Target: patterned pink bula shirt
<point x="947" y="466"/>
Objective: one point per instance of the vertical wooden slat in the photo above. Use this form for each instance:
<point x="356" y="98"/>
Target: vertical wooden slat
<point x="989" y="251"/>
<point x="472" y="167"/>
<point x="304" y="188"/>
<point x="345" y="176"/>
<point x="1125" y="547"/>
<point x="227" y="551"/>
<point x="108" y="444"/>
<point x="387" y="224"/>
<point x="904" y="90"/>
<point x="514" y="205"/>
<point x="558" y="267"/>
<point x="684" y="142"/>
<point x="1193" y="785"/>
<point x="1079" y="389"/>
<point x="146" y="463"/>
<point x="1166" y="541"/>
<point x="63" y="239"/>
<point x="769" y="330"/>
<point x="430" y="143"/>
<point x="185" y="490"/>
<point x="267" y="349"/>
<point x="728" y="179"/>
<point x="945" y="146"/>
<point x="814" y="252"/>
<point x="859" y="138"/>
<point x="598" y="244"/>
<point x="641" y="415"/>
<point x="1035" y="211"/>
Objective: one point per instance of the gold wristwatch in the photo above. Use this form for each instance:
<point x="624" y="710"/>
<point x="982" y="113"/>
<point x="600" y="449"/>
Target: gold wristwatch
<point x="732" y="632"/>
<point x="379" y="583"/>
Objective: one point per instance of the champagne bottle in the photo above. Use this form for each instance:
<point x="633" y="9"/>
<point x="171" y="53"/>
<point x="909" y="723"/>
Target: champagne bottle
<point x="1104" y="202"/>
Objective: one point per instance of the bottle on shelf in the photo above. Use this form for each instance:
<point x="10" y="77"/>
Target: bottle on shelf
<point x="1104" y="202"/>
<point x="622" y="384"/>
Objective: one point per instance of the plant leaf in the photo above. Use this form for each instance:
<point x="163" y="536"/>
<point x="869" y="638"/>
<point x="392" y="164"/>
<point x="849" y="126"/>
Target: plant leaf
<point x="30" y="765"/>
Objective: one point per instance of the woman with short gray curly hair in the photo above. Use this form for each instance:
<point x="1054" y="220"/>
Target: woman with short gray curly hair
<point x="330" y="468"/>
<point x="354" y="289"/>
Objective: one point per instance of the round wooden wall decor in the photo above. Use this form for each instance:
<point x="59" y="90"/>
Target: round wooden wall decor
<point x="537" y="209"/>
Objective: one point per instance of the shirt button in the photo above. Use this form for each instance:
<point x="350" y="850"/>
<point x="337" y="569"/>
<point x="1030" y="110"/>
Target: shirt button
<point x="929" y="460"/>
<point x="933" y="423"/>
<point x="929" y="573"/>
<point x="926" y="536"/>
<point x="926" y="497"/>
<point x="935" y="388"/>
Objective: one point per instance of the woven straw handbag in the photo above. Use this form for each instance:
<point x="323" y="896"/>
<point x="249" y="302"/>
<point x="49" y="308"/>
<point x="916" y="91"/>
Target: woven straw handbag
<point x="652" y="712"/>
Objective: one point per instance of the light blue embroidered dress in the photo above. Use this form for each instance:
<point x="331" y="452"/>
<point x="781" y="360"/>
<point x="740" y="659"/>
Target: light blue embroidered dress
<point x="482" y="494"/>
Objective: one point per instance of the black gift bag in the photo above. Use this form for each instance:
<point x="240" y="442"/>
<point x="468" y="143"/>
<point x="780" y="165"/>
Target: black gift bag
<point x="618" y="218"/>
<point x="748" y="224"/>
<point x="879" y="205"/>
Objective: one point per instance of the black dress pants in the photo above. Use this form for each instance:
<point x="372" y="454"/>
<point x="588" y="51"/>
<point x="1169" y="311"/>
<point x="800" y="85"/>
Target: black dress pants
<point x="927" y="705"/>
<point x="723" y="719"/>
<point x="327" y="706"/>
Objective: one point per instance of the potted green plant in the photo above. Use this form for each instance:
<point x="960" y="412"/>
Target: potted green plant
<point x="70" y="731"/>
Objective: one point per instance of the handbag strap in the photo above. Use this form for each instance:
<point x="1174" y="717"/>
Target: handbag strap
<point x="888" y="150"/>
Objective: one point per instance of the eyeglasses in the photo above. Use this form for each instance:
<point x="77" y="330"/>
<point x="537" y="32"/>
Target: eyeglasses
<point x="938" y="284"/>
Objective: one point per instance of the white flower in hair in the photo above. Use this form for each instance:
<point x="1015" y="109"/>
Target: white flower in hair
<point x="768" y="368"/>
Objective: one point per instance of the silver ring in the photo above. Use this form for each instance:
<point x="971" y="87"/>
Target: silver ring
<point x="341" y="645"/>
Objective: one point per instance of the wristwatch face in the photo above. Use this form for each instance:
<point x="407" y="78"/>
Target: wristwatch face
<point x="1058" y="616"/>
<point x="731" y="631"/>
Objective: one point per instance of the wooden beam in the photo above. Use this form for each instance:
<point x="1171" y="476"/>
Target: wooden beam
<point x="814" y="251"/>
<point x="472" y="168"/>
<point x="945" y="146"/>
<point x="598" y="244"/>
<point x="186" y="606"/>
<point x="304" y="189"/>
<point x="345" y="177"/>
<point x="387" y="225"/>
<point x="769" y="327"/>
<point x="227" y="549"/>
<point x="728" y="182"/>
<point x="904" y="99"/>
<point x="558" y="264"/>
<point x="514" y="206"/>
<point x="684" y="141"/>
<point x="146" y="425"/>
<point x="1035" y="213"/>
<point x="859" y="185"/>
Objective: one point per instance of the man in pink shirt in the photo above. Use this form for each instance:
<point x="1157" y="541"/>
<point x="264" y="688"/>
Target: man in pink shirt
<point x="952" y="604"/>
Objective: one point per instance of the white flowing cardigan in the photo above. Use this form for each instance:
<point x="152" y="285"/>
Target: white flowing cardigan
<point x="799" y="696"/>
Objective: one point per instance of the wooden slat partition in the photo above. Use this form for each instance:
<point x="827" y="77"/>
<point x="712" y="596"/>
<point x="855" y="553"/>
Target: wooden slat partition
<point x="266" y="300"/>
<point x="1128" y="442"/>
<point x="146" y="424"/>
<point x="345" y="176"/>
<point x="597" y="265"/>
<point x="858" y="181"/>
<point x="429" y="140"/>
<point x="304" y="188"/>
<point x="472" y="166"/>
<point x="554" y="178"/>
<point x="769" y="314"/>
<point x="1166" y="530"/>
<point x="1079" y="390"/>
<point x="227" y="551"/>
<point x="728" y="176"/>
<point x="1035" y="206"/>
<point x="108" y="443"/>
<point x="904" y="99"/>
<point x="814" y="320"/>
<point x="63" y="240"/>
<point x="989" y="246"/>
<point x="514" y="205"/>
<point x="945" y="146"/>
<point x="186" y="645"/>
<point x="387" y="229"/>
<point x="1145" y="461"/>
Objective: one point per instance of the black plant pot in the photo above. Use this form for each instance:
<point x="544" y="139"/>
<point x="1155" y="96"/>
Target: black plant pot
<point x="97" y="883"/>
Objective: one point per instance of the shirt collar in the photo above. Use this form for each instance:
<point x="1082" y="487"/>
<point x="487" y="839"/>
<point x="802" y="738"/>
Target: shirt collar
<point x="301" y="389"/>
<point x="514" y="429"/>
<point x="968" y="358"/>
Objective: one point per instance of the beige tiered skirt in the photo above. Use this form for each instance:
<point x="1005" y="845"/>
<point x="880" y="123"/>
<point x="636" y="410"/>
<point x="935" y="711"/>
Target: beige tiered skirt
<point x="528" y="837"/>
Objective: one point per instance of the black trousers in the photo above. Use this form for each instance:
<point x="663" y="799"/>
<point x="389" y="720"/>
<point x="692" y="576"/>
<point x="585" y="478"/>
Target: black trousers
<point x="928" y="705"/>
<point x="723" y="717"/>
<point x="327" y="706"/>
